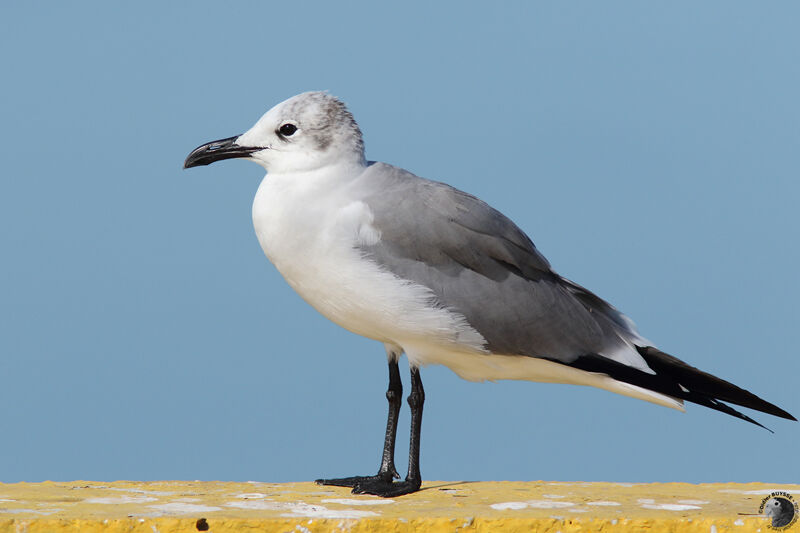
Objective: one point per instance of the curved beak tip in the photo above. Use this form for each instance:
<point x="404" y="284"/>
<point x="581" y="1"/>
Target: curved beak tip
<point x="217" y="151"/>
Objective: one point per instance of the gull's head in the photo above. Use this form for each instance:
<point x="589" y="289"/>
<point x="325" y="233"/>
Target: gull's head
<point x="308" y="131"/>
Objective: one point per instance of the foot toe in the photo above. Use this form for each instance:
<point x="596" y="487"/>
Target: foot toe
<point x="386" y="489"/>
<point x="352" y="481"/>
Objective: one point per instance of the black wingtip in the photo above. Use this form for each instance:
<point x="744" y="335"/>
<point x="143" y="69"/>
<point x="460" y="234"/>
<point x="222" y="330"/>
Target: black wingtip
<point x="705" y="384"/>
<point x="678" y="380"/>
<point x="724" y="408"/>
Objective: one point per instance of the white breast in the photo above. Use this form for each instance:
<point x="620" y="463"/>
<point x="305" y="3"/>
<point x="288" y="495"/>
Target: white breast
<point x="308" y="227"/>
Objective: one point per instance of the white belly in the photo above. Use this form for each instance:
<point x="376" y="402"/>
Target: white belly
<point x="313" y="247"/>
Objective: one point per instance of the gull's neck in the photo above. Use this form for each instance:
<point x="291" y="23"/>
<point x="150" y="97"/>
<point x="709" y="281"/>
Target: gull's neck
<point x="326" y="178"/>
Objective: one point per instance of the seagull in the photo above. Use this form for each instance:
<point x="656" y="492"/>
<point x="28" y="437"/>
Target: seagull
<point x="438" y="275"/>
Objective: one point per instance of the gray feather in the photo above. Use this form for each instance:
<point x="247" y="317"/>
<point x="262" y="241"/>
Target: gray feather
<point x="480" y="264"/>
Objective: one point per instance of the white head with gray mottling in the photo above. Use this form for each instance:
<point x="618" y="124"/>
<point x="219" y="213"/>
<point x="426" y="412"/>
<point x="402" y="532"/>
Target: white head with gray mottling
<point x="306" y="132"/>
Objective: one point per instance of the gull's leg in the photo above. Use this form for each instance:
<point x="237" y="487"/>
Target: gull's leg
<point x="394" y="394"/>
<point x="387" y="471"/>
<point x="385" y="486"/>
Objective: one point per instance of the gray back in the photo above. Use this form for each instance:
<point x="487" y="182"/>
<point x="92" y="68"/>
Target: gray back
<point x="481" y="265"/>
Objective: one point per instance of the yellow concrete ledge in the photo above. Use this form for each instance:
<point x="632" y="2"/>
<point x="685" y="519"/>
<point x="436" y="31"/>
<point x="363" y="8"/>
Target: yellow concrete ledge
<point x="219" y="507"/>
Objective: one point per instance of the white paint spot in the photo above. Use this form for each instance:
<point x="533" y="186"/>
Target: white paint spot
<point x="604" y="504"/>
<point x="301" y="529"/>
<point x="300" y="509"/>
<point x="713" y="529"/>
<point x="183" y="508"/>
<point x="552" y="496"/>
<point x="614" y="521"/>
<point x="671" y="506"/>
<point x="509" y="505"/>
<point x="35" y="511"/>
<point x="545" y="504"/>
<point x="349" y="501"/>
<point x="738" y="522"/>
<point x="319" y="511"/>
<point x="694" y="502"/>
<point x="121" y="500"/>
<point x="6" y="500"/>
<point x="645" y="500"/>
<point x="251" y="495"/>
<point x="258" y="505"/>
<point x="535" y="504"/>
<point x="138" y="491"/>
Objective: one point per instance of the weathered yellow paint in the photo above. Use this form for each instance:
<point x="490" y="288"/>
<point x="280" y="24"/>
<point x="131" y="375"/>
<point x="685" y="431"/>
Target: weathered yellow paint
<point x="176" y="506"/>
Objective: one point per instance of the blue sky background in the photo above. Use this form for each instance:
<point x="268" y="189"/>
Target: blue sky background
<point x="649" y="149"/>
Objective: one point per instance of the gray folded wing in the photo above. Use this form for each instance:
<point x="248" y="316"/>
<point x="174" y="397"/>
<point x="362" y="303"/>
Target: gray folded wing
<point x="480" y="264"/>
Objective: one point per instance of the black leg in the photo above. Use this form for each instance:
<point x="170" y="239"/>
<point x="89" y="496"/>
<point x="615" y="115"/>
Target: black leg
<point x="394" y="394"/>
<point x="387" y="470"/>
<point x="386" y="487"/>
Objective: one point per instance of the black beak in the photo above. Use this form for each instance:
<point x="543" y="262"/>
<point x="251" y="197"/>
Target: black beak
<point x="217" y="151"/>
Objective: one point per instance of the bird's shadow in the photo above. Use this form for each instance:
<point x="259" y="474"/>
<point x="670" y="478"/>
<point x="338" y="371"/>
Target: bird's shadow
<point x="443" y="486"/>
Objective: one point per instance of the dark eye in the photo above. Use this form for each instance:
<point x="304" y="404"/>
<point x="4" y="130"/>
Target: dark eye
<point x="287" y="130"/>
